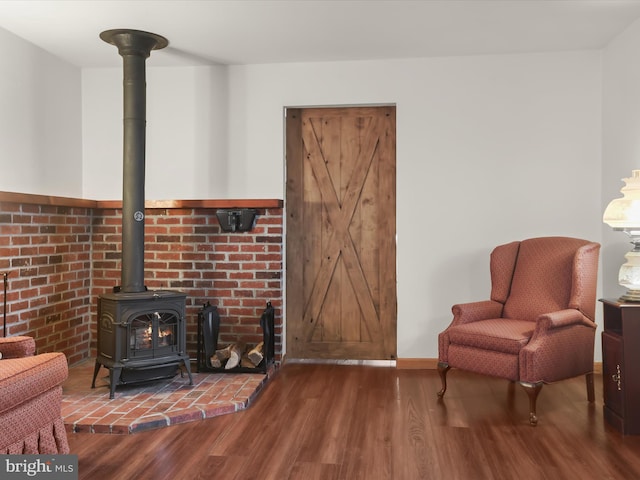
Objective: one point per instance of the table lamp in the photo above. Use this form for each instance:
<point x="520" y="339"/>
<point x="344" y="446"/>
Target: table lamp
<point x="623" y="214"/>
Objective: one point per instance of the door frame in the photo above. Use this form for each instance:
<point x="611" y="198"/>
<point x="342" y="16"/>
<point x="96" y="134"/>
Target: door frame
<point x="284" y="334"/>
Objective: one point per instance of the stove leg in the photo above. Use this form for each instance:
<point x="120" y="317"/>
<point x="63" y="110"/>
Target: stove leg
<point x="187" y="366"/>
<point x="114" y="377"/>
<point x="96" y="369"/>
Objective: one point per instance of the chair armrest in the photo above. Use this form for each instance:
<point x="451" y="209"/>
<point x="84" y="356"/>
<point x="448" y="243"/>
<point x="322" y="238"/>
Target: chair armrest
<point x="23" y="379"/>
<point x="561" y="347"/>
<point x="474" y="311"/>
<point x="562" y="318"/>
<point x="17" y="347"/>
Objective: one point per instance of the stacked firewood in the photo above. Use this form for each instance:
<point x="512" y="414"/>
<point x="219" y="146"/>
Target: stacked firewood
<point x="238" y="354"/>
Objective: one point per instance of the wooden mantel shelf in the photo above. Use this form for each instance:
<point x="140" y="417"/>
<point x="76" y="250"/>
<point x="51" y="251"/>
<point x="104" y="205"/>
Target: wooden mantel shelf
<point x="230" y="203"/>
<point x="29" y="198"/>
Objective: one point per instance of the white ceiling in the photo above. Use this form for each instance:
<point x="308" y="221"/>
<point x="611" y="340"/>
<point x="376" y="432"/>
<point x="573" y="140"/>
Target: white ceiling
<point x="267" y="31"/>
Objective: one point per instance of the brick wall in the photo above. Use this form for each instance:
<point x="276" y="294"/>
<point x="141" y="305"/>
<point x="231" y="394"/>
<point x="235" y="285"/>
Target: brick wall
<point x="59" y="260"/>
<point x="186" y="250"/>
<point x="46" y="252"/>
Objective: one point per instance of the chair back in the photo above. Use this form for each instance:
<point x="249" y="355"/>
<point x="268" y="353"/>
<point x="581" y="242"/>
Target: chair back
<point x="549" y="274"/>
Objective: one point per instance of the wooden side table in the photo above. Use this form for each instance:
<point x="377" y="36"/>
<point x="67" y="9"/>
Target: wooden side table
<point x="621" y="365"/>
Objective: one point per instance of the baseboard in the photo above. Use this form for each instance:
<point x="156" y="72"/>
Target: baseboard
<point x="432" y="364"/>
<point x="597" y="367"/>
<point x="417" y="363"/>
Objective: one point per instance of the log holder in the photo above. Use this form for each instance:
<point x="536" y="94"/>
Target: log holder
<point x="208" y="336"/>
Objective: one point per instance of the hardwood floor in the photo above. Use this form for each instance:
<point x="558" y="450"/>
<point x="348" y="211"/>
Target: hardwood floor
<point x="353" y="422"/>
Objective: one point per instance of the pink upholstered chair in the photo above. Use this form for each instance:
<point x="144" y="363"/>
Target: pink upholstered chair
<point x="30" y="399"/>
<point x="538" y="327"/>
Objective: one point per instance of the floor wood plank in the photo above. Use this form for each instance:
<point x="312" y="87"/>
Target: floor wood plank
<point x="349" y="422"/>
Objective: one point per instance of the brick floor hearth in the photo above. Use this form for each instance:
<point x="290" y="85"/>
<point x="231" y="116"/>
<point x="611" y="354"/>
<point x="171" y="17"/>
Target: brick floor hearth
<point x="153" y="404"/>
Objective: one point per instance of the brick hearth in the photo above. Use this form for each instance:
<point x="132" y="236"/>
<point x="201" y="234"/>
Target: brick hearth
<point x="152" y="405"/>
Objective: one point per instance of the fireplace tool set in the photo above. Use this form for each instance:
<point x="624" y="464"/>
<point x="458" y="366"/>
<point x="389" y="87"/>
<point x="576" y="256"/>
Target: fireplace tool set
<point x="4" y="310"/>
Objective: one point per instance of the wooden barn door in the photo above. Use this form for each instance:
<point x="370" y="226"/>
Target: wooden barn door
<point x="341" y="233"/>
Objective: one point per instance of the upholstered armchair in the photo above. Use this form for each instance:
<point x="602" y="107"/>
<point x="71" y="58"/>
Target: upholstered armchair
<point x="538" y="326"/>
<point x="31" y="398"/>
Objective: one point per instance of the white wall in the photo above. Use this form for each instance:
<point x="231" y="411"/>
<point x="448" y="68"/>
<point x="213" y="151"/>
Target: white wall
<point x="187" y="133"/>
<point x="620" y="140"/>
<point x="489" y="149"/>
<point x="40" y="121"/>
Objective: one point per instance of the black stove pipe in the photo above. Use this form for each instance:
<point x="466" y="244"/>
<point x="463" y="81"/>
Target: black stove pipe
<point x="135" y="47"/>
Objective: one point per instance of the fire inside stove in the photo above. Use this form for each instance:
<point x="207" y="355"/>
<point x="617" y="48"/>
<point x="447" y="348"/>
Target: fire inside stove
<point x="153" y="331"/>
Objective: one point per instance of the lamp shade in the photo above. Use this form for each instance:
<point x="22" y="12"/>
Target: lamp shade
<point x="624" y="213"/>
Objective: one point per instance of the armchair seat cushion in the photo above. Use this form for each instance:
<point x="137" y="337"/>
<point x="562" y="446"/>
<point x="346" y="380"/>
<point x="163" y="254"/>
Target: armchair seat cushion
<point x="494" y="334"/>
<point x="486" y="362"/>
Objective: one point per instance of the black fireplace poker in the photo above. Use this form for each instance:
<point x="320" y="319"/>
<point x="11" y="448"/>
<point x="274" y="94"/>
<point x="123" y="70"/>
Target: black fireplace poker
<point x="135" y="47"/>
<point x="4" y="310"/>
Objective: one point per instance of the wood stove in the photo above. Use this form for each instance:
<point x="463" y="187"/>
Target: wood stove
<point x="141" y="336"/>
<point x="141" y="333"/>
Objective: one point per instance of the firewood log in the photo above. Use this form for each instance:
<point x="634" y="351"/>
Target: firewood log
<point x="246" y="362"/>
<point x="220" y="356"/>
<point x="237" y="349"/>
<point x="256" y="355"/>
<point x="215" y="361"/>
<point x="224" y="353"/>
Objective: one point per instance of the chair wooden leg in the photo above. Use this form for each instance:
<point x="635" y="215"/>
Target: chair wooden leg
<point x="511" y="390"/>
<point x="591" y="396"/>
<point x="532" y="389"/>
<point x="443" y="368"/>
